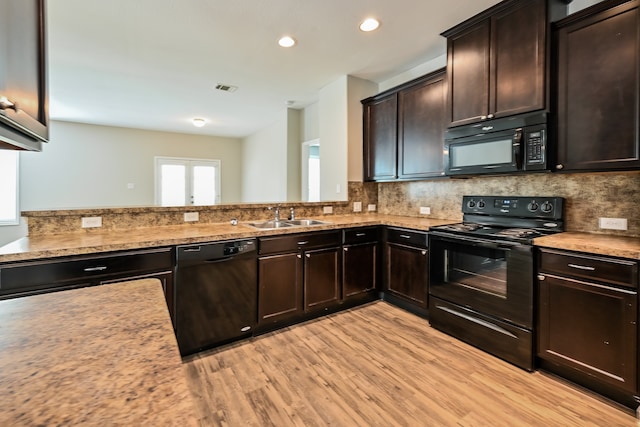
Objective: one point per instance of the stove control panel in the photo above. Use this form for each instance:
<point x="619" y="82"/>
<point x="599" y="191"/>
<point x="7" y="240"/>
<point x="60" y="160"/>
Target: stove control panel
<point x="523" y="207"/>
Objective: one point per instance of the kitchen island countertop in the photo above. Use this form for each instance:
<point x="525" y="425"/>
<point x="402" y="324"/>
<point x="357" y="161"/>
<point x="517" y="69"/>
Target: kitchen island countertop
<point x="102" y="355"/>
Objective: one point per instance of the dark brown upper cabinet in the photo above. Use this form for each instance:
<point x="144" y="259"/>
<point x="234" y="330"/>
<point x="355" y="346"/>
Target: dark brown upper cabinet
<point x="24" y="115"/>
<point x="497" y="61"/>
<point x="598" y="78"/>
<point x="404" y="130"/>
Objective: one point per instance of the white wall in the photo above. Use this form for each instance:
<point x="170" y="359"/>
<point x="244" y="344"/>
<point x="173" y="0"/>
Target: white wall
<point x="310" y="122"/>
<point x="294" y="154"/>
<point x="90" y="166"/>
<point x="264" y="164"/>
<point x="334" y="136"/>
<point x="577" y="5"/>
<point x="357" y="90"/>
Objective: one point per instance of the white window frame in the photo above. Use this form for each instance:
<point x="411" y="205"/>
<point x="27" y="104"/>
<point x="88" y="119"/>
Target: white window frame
<point x="189" y="163"/>
<point x="5" y="177"/>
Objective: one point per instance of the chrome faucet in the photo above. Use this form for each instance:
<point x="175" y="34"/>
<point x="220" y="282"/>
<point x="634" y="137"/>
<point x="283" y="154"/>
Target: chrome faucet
<point x="276" y="212"/>
<point x="292" y="214"/>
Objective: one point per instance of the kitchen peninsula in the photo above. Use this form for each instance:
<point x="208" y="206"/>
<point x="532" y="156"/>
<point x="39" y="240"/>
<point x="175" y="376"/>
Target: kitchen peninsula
<point x="100" y="355"/>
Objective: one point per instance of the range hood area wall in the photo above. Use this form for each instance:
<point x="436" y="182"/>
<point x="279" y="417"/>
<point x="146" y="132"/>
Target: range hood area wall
<point x="589" y="196"/>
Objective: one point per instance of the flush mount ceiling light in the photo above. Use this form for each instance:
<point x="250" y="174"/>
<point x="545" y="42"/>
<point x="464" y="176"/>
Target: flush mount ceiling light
<point x="199" y="122"/>
<point x="369" y="24"/>
<point x="286" y="41"/>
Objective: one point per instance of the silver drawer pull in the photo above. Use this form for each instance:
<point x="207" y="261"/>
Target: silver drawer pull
<point x="303" y="243"/>
<point x="582" y="267"/>
<point x="404" y="236"/>
<point x="90" y="269"/>
<point x="360" y="234"/>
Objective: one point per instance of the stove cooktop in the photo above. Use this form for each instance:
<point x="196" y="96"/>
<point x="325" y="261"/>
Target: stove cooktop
<point x="494" y="232"/>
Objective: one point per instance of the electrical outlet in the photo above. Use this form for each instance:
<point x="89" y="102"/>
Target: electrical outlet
<point x="424" y="210"/>
<point x="191" y="216"/>
<point x="91" y="221"/>
<point x="327" y="210"/>
<point x="613" y="223"/>
<point x="357" y="206"/>
<point x="371" y="208"/>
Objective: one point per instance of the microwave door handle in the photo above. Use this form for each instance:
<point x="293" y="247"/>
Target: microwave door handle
<point x="517" y="148"/>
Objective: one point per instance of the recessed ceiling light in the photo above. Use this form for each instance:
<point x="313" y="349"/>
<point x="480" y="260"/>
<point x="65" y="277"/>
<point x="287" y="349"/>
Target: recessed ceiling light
<point x="286" y="41"/>
<point x="369" y="24"/>
<point x="199" y="122"/>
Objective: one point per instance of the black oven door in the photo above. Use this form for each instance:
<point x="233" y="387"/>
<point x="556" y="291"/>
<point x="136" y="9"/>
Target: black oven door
<point x="491" y="277"/>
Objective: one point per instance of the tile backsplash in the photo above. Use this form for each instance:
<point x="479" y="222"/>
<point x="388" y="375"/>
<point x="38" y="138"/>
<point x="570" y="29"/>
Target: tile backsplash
<point x="588" y="196"/>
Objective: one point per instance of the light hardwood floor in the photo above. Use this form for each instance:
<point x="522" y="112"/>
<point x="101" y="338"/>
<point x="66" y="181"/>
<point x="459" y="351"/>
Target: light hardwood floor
<point x="377" y="365"/>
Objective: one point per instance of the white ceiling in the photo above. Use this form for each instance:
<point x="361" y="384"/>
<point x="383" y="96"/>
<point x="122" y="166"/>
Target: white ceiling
<point x="152" y="64"/>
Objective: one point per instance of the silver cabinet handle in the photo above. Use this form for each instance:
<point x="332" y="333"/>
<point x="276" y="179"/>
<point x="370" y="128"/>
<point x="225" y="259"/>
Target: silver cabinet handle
<point x="360" y="234"/>
<point x="404" y="236"/>
<point x="582" y="267"/>
<point x="490" y="116"/>
<point x="541" y="277"/>
<point x="345" y="249"/>
<point x="559" y="166"/>
<point x="424" y="252"/>
<point x="299" y="256"/>
<point x="307" y="255"/>
<point x="5" y="104"/>
<point x="100" y="268"/>
<point x="303" y="243"/>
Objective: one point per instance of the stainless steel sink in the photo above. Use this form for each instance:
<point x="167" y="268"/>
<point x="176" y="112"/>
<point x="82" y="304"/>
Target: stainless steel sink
<point x="305" y="222"/>
<point x="268" y="225"/>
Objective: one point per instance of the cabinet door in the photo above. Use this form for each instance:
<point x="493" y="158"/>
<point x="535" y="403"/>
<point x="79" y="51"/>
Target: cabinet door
<point x="359" y="269"/>
<point x="321" y="278"/>
<point x="23" y="74"/>
<point x="421" y="112"/>
<point x="590" y="328"/>
<point x="468" y="75"/>
<point x="598" y="80"/>
<point x="380" y="138"/>
<point x="518" y="37"/>
<point x="407" y="273"/>
<point x="279" y="287"/>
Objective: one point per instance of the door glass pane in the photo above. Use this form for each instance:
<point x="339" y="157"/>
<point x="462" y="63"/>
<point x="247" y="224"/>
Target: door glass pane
<point x="204" y="185"/>
<point x="173" y="185"/>
<point x="484" y="271"/>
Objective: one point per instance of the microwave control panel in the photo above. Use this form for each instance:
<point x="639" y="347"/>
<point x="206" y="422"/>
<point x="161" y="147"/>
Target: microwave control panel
<point x="535" y="146"/>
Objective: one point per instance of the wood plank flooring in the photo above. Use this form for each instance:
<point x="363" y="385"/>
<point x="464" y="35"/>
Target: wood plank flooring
<point x="377" y="365"/>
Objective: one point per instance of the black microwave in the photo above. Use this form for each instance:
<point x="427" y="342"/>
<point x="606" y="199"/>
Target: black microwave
<point x="508" y="145"/>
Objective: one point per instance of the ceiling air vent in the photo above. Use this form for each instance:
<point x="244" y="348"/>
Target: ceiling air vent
<point x="226" y="88"/>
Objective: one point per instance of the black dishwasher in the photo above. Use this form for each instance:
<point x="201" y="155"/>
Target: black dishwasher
<point x="216" y="293"/>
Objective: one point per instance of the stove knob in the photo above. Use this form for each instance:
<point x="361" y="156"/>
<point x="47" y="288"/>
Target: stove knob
<point x="481" y="204"/>
<point x="471" y="204"/>
<point x="547" y="207"/>
<point x="533" y="206"/>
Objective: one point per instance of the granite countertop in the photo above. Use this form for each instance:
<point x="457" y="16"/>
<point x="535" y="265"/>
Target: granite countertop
<point x="95" y="241"/>
<point x="102" y="355"/>
<point x="600" y="244"/>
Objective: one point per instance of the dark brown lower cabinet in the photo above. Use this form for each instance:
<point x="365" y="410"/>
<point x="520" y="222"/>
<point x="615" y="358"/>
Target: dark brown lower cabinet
<point x="321" y="278"/>
<point x="297" y="274"/>
<point x="406" y="266"/>
<point x="279" y="290"/>
<point x="359" y="269"/>
<point x="587" y="327"/>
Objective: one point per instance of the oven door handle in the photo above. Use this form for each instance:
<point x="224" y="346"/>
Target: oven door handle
<point x="483" y="243"/>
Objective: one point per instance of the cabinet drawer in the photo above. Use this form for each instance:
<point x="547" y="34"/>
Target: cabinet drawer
<point x="295" y="242"/>
<point x="361" y="235"/>
<point x="615" y="271"/>
<point x="35" y="275"/>
<point x="407" y="237"/>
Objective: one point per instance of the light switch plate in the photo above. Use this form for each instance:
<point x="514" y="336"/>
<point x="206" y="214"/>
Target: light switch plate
<point x="371" y="208"/>
<point x="91" y="221"/>
<point x="191" y="216"/>
<point x="357" y="206"/>
<point x="327" y="209"/>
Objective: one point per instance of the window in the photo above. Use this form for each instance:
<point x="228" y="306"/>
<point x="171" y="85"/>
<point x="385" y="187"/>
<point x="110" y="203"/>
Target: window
<point x="184" y="182"/>
<point x="9" y="207"/>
